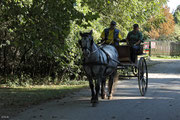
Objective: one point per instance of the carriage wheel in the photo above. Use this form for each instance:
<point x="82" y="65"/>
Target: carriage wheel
<point x="142" y="76"/>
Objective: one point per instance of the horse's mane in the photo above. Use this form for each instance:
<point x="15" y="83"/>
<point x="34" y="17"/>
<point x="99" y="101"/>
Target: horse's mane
<point x="86" y="34"/>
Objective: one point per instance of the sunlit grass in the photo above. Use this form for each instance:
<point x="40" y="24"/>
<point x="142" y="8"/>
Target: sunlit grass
<point x="14" y="98"/>
<point x="165" y="57"/>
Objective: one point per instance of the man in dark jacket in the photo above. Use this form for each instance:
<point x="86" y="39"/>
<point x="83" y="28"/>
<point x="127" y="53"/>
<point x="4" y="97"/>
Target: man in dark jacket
<point x="134" y="39"/>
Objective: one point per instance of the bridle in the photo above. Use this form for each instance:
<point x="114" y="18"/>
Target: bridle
<point x="90" y="49"/>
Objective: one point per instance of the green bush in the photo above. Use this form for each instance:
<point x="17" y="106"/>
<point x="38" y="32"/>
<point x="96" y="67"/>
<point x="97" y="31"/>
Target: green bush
<point x="39" y="38"/>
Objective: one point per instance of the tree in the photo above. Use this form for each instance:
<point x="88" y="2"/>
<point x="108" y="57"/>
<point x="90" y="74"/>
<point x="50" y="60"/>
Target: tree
<point x="41" y="35"/>
<point x="167" y="27"/>
<point x="39" y="30"/>
<point x="125" y="12"/>
<point x="177" y="15"/>
<point x="154" y="33"/>
<point x="164" y="27"/>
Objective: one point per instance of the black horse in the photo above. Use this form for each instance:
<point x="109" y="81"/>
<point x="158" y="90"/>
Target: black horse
<point x="99" y="63"/>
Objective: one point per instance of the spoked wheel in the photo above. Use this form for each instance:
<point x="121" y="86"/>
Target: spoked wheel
<point x="142" y="76"/>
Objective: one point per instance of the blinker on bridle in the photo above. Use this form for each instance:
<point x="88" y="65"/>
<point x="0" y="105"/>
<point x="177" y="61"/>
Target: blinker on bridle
<point x="83" y="48"/>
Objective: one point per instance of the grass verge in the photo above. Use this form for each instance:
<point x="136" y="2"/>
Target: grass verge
<point x="15" y="99"/>
<point x="165" y="57"/>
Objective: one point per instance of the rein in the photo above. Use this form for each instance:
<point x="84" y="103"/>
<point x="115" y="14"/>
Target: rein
<point x="98" y="63"/>
<point x="93" y="49"/>
<point x="91" y="52"/>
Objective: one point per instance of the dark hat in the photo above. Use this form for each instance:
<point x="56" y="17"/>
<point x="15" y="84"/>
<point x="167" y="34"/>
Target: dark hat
<point x="113" y="23"/>
<point x="135" y="26"/>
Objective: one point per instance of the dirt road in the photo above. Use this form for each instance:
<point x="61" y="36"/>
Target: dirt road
<point x="162" y="101"/>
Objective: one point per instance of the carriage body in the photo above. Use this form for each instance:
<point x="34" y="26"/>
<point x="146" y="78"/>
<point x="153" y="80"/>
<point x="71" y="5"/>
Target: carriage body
<point x="139" y="68"/>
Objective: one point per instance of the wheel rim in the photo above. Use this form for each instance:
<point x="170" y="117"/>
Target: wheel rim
<point x="142" y="76"/>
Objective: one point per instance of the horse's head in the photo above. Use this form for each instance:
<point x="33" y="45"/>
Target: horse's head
<point x="86" y="42"/>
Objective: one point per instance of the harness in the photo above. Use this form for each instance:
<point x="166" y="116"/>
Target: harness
<point x="91" y="64"/>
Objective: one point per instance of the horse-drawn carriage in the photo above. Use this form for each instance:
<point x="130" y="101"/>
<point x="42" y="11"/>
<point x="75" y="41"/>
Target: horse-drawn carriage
<point x="103" y="61"/>
<point x="139" y="68"/>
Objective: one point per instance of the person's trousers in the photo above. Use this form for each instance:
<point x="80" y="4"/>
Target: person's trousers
<point x="134" y="51"/>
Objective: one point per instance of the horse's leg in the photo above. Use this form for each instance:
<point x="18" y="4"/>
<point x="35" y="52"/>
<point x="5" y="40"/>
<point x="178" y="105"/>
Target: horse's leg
<point x="91" y="85"/>
<point x="103" y="86"/>
<point x="97" y="89"/>
<point x="110" y="84"/>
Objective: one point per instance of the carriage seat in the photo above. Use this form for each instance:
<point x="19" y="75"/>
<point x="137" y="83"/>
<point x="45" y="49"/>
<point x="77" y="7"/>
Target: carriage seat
<point x="124" y="53"/>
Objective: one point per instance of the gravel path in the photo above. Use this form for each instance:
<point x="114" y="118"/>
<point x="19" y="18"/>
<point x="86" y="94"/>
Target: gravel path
<point x="162" y="101"/>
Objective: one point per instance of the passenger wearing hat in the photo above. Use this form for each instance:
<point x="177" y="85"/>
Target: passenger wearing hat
<point x="111" y="35"/>
<point x="134" y="39"/>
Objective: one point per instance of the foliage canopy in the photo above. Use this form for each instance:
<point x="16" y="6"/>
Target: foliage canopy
<point x="39" y="37"/>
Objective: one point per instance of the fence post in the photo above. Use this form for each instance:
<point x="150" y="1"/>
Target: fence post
<point x="149" y="48"/>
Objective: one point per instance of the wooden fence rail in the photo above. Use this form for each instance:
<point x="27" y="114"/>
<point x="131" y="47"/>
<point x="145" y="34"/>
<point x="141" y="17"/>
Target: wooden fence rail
<point x="165" y="48"/>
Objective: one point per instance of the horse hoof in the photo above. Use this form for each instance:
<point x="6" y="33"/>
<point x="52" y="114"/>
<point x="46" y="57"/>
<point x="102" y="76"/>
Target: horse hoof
<point x="96" y="101"/>
<point x="103" y="96"/>
<point x="92" y="100"/>
<point x="110" y="97"/>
